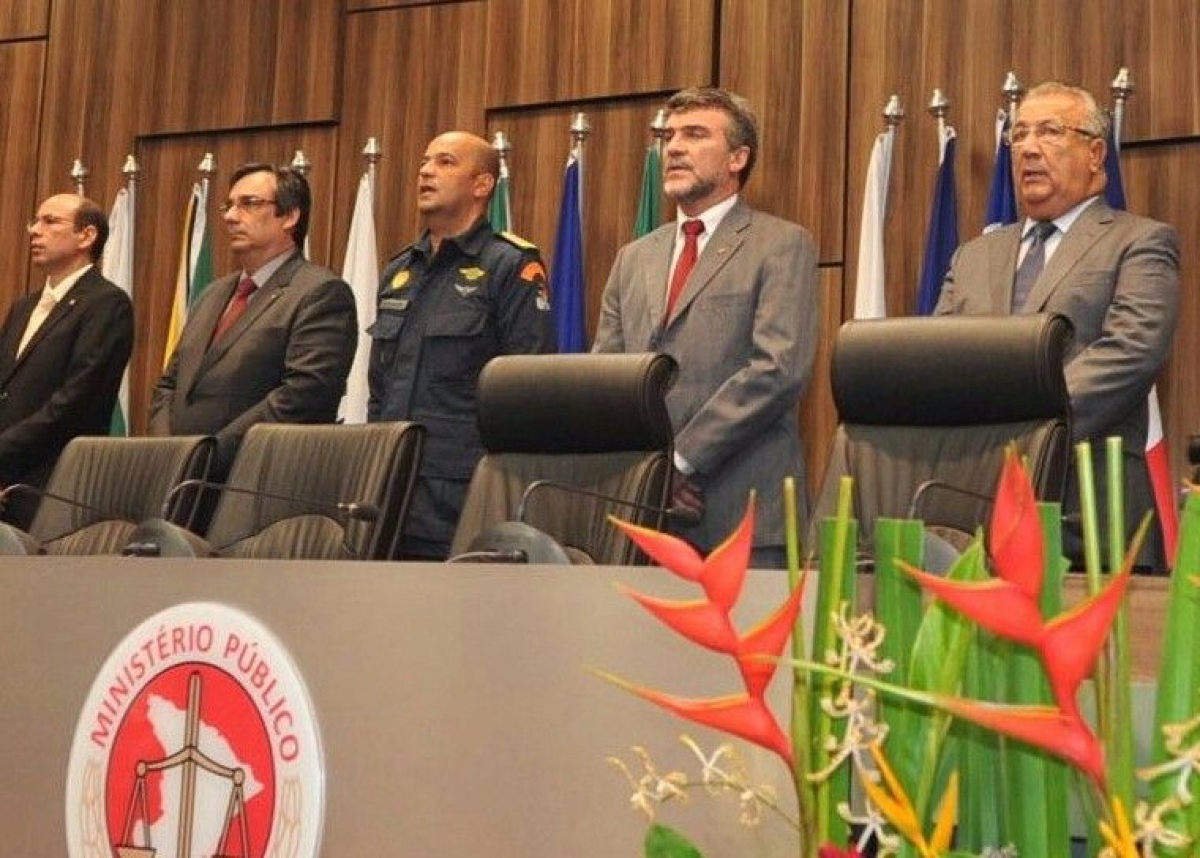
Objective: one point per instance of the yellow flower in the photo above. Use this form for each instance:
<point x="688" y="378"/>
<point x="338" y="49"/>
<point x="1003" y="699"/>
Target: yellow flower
<point x="895" y="805"/>
<point x="1118" y="836"/>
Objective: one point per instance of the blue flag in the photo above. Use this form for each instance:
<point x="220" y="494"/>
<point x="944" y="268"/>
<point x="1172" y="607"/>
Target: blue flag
<point x="1002" y="198"/>
<point x="566" y="270"/>
<point x="1114" y="191"/>
<point x="942" y="238"/>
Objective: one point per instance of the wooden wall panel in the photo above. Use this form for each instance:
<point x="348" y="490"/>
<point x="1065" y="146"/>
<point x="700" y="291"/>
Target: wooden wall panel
<point x="270" y="62"/>
<point x="1160" y="181"/>
<point x="613" y="160"/>
<point x="393" y="92"/>
<point x="20" y="116"/>
<point x="818" y="415"/>
<point x="789" y="59"/>
<point x="168" y="172"/>
<point x="23" y="19"/>
<point x="543" y="51"/>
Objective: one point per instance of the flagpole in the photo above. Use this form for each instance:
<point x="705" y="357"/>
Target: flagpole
<point x="580" y="129"/>
<point x="658" y="129"/>
<point x="1122" y="88"/>
<point x="938" y="107"/>
<point x="79" y="174"/>
<point x="1012" y="91"/>
<point x="500" y="206"/>
<point x="372" y="154"/>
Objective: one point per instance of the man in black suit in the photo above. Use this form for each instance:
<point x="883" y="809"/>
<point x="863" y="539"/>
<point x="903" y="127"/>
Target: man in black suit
<point x="63" y="348"/>
<point x="272" y="342"/>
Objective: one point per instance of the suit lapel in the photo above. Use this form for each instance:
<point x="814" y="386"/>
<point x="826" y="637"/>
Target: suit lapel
<point x="1092" y="223"/>
<point x="64" y="308"/>
<point x="654" y="275"/>
<point x="21" y="312"/>
<point x="717" y="253"/>
<point x="1004" y="261"/>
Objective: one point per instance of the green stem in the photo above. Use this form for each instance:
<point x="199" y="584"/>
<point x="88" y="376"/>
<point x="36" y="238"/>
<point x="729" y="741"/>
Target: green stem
<point x="801" y="683"/>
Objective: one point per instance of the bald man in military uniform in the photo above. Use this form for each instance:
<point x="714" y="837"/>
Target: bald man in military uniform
<point x="448" y="303"/>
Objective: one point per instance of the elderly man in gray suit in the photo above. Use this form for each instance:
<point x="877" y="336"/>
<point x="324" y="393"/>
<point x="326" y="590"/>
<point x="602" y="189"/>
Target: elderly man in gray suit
<point x="1113" y="274"/>
<point x="731" y="294"/>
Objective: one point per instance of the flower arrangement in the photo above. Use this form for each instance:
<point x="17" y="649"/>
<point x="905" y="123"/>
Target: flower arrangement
<point x="955" y="706"/>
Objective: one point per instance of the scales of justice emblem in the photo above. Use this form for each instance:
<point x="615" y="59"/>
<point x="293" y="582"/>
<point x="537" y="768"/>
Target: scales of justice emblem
<point x="197" y="740"/>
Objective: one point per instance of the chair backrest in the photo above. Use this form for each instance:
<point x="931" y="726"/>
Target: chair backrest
<point x="939" y="399"/>
<point x="114" y="483"/>
<point x="318" y="467"/>
<point x="578" y="423"/>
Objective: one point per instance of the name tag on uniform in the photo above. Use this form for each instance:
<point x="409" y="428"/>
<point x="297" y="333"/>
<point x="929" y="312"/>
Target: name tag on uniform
<point x="396" y="305"/>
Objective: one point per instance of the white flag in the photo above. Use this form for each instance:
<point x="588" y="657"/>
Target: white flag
<point x="870" y="297"/>
<point x="117" y="266"/>
<point x="361" y="270"/>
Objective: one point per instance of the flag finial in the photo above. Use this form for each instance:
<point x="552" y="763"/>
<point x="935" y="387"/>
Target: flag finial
<point x="658" y="125"/>
<point x="580" y="127"/>
<point x="79" y="174"/>
<point x="893" y="111"/>
<point x="1012" y="90"/>
<point x="130" y="169"/>
<point x="500" y="144"/>
<point x="1122" y="85"/>
<point x="371" y="151"/>
<point x="300" y="163"/>
<point x="207" y="166"/>
<point x="939" y="105"/>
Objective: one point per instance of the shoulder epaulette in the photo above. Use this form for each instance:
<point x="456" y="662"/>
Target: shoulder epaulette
<point x="516" y="240"/>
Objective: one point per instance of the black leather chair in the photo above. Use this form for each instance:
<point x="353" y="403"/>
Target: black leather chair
<point x="102" y="487"/>
<point x="561" y="434"/>
<point x="316" y="492"/>
<point x="927" y="406"/>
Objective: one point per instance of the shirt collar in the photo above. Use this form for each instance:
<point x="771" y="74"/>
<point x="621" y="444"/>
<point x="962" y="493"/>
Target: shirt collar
<point x="266" y="271"/>
<point x="712" y="216"/>
<point x="472" y="242"/>
<point x="64" y="286"/>
<point x="1063" y="222"/>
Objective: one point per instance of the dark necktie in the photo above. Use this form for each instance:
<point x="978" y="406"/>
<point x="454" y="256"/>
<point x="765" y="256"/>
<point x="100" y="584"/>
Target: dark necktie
<point x="1031" y="265"/>
<point x="241" y="297"/>
<point x="687" y="261"/>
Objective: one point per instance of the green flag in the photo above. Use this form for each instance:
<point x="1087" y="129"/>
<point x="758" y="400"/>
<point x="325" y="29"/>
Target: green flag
<point x="500" y="208"/>
<point x="649" y="213"/>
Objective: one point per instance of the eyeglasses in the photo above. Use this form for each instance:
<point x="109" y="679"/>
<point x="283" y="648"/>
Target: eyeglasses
<point x="1048" y="131"/>
<point x="47" y="221"/>
<point x="245" y="204"/>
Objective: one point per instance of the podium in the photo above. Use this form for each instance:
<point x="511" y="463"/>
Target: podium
<point x="455" y="705"/>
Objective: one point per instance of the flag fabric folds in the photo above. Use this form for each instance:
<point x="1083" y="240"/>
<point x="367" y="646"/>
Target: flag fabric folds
<point x="360" y="269"/>
<point x="649" y="213"/>
<point x="117" y="266"/>
<point x="195" y="264"/>
<point x="1002" y="197"/>
<point x="1157" y="462"/>
<point x="870" y="294"/>
<point x="566" y="270"/>
<point x="500" y="206"/>
<point x="941" y="239"/>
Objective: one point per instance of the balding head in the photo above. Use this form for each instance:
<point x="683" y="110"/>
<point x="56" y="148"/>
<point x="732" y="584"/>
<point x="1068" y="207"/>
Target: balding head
<point x="457" y="177"/>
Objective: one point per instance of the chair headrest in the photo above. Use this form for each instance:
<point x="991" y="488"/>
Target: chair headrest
<point x="575" y="403"/>
<point x="951" y="370"/>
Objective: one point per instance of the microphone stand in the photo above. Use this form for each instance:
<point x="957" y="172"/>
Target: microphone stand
<point x="683" y="516"/>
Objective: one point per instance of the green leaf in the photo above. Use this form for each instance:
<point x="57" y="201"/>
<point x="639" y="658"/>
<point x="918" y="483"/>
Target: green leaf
<point x="664" y="842"/>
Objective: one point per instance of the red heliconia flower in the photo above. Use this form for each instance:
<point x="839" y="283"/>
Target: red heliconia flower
<point x="1015" y="533"/>
<point x="739" y="715"/>
<point x="708" y="622"/>
<point x="831" y="851"/>
<point x="1046" y="727"/>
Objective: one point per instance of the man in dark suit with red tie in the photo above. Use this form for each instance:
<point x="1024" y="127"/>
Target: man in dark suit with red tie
<point x="63" y="349"/>
<point x="272" y="342"/>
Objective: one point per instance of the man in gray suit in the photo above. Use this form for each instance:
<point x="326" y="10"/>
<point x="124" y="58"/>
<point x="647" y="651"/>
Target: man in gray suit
<point x="1113" y="274"/>
<point x="731" y="294"/>
<point x="272" y="342"/>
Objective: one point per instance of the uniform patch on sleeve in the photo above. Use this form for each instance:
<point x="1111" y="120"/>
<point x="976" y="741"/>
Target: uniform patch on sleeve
<point x="534" y="273"/>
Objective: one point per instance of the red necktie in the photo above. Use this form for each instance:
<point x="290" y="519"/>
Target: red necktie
<point x="687" y="261"/>
<point x="241" y="297"/>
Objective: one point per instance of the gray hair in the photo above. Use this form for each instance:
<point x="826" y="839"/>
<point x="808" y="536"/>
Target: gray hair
<point x="1095" y="122"/>
<point x="743" y="125"/>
